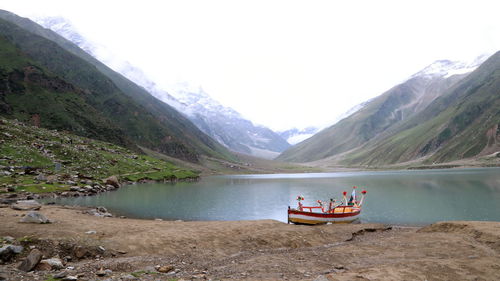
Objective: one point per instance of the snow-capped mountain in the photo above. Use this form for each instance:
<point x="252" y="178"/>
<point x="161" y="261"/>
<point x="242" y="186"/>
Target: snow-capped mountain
<point x="294" y="135"/>
<point x="447" y="68"/>
<point x="221" y="123"/>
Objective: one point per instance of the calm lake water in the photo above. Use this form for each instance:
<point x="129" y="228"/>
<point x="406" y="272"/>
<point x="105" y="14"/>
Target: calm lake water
<point x="395" y="197"/>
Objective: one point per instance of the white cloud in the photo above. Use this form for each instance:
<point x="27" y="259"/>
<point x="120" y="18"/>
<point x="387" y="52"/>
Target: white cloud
<point x="282" y="63"/>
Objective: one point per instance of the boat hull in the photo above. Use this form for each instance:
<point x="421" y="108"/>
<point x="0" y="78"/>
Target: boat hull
<point x="302" y="217"/>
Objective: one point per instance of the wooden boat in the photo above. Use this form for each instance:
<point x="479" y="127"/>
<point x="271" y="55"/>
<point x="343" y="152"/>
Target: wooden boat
<point x="345" y="212"/>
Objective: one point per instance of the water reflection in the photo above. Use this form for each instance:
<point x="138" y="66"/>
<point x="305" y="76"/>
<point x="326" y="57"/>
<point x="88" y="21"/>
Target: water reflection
<point x="399" y="197"/>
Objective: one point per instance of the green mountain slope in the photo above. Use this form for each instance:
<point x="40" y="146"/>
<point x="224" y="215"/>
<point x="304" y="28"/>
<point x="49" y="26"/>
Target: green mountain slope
<point x="141" y="118"/>
<point x="373" y="120"/>
<point x="28" y="151"/>
<point x="431" y="121"/>
<point x="462" y="123"/>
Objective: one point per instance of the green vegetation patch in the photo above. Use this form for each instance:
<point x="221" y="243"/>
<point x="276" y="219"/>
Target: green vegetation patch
<point x="60" y="156"/>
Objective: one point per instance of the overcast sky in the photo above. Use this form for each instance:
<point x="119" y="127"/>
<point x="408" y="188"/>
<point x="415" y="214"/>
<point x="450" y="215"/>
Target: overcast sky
<point x="285" y="63"/>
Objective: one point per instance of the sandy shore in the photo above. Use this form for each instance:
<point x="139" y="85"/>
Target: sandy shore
<point x="253" y="250"/>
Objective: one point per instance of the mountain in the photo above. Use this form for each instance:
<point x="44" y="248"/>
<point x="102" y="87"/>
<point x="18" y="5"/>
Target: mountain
<point x="92" y="100"/>
<point x="358" y="138"/>
<point x="223" y="124"/>
<point x="294" y="135"/>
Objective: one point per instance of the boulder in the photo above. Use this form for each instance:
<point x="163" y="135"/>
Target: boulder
<point x="34" y="257"/>
<point x="26" y="205"/>
<point x="34" y="217"/>
<point x="113" y="180"/>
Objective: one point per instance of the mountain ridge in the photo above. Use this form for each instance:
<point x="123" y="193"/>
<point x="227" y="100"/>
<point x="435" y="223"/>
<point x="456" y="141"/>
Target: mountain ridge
<point x="166" y="130"/>
<point x="222" y="123"/>
<point x="350" y="141"/>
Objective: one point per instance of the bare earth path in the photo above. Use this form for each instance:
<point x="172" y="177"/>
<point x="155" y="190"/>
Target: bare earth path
<point x="255" y="250"/>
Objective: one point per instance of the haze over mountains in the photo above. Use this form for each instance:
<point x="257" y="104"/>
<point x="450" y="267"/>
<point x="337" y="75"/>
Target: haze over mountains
<point x="443" y="113"/>
<point x="448" y="111"/>
<point x="49" y="80"/>
<point x="221" y="123"/>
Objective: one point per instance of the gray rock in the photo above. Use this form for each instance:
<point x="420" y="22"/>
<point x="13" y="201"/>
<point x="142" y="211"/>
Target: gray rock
<point x="129" y="277"/>
<point x="41" y="177"/>
<point x="9" y="251"/>
<point x="61" y="274"/>
<point x="9" y="239"/>
<point x="70" y="278"/>
<point x="321" y="278"/>
<point x="34" y="217"/>
<point x="55" y="263"/>
<point x="34" y="257"/>
<point x="26" y="205"/>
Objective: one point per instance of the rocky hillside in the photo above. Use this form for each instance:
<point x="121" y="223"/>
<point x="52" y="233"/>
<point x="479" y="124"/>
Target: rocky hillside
<point x="140" y="118"/>
<point x="385" y="130"/>
<point x="36" y="160"/>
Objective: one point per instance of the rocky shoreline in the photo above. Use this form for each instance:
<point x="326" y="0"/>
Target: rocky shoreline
<point x="77" y="184"/>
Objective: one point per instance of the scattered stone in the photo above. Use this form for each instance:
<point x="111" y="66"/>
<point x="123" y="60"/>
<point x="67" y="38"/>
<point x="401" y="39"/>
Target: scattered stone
<point x="101" y="248"/>
<point x="101" y="273"/>
<point x="9" y="239"/>
<point x="26" y="205"/>
<point x="91" y="232"/>
<point x="129" y="277"/>
<point x="34" y="257"/>
<point x="34" y="217"/>
<point x="61" y="274"/>
<point x="80" y="252"/>
<point x="41" y="177"/>
<point x="99" y="212"/>
<point x="321" y="278"/>
<point x="113" y="180"/>
<point x="70" y="278"/>
<point x="165" y="268"/>
<point x="54" y="263"/>
<point x="9" y="251"/>
<point x="43" y="266"/>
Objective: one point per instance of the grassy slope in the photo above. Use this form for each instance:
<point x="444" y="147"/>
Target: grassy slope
<point x="378" y="116"/>
<point x="144" y="119"/>
<point x="27" y="146"/>
<point x="455" y="126"/>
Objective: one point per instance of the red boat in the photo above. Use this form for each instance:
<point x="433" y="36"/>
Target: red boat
<point x="345" y="212"/>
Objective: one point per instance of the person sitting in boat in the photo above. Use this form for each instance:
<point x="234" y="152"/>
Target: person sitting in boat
<point x="299" y="199"/>
<point x="352" y="200"/>
<point x="321" y="205"/>
<point x="331" y="206"/>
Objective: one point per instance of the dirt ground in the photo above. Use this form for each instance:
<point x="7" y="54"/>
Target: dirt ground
<point x="131" y="249"/>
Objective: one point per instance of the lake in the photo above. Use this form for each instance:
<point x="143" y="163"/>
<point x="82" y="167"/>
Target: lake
<point x="394" y="197"/>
